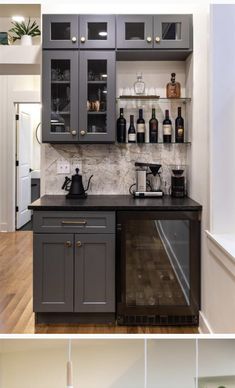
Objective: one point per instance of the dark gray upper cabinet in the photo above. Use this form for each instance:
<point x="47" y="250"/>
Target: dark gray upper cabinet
<point x="173" y="31"/>
<point x="60" y="96"/>
<point x="60" y="31"/>
<point x="97" y="96"/>
<point x="134" y="31"/>
<point x="53" y="269"/>
<point x="97" y="32"/>
<point x="94" y="273"/>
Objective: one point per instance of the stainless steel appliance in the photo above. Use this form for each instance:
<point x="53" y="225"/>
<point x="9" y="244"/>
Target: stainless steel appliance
<point x="158" y="267"/>
<point x="148" y="181"/>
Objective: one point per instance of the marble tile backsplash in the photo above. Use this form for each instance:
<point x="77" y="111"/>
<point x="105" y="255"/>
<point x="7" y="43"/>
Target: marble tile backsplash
<point x="112" y="165"/>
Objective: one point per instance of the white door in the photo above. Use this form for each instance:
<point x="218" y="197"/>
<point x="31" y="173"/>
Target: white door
<point x="23" y="176"/>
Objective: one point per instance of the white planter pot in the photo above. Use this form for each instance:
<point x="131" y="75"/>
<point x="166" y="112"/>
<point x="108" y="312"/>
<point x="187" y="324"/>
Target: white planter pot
<point x="26" y="40"/>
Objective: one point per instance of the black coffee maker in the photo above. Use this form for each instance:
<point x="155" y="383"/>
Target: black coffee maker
<point x="75" y="186"/>
<point x="178" y="184"/>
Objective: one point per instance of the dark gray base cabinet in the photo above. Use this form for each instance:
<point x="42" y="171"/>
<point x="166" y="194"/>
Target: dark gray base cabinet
<point x="74" y="273"/>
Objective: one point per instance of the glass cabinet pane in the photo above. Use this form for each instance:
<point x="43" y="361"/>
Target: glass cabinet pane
<point x="157" y="262"/>
<point x="171" y="31"/>
<point x="60" y="95"/>
<point x="60" y="31"/>
<point x="134" y="31"/>
<point x="97" y="31"/>
<point x="97" y="96"/>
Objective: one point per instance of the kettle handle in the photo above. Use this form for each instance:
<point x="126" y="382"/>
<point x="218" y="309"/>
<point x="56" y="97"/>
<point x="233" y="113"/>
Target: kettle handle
<point x="88" y="184"/>
<point x="67" y="180"/>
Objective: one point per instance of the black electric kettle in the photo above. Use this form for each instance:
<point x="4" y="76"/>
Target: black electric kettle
<point x="75" y="186"/>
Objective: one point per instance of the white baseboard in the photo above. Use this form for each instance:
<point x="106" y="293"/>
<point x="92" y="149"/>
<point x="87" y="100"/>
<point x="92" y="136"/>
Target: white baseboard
<point x="204" y="327"/>
<point x="3" y="227"/>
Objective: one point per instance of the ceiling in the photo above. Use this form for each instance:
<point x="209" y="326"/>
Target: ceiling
<point x="25" y="344"/>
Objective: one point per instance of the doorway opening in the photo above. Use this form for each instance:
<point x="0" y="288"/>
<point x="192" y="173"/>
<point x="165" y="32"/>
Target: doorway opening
<point x="28" y="161"/>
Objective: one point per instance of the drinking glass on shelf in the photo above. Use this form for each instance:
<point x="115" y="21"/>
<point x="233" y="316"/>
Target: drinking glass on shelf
<point x="151" y="91"/>
<point x="120" y="92"/>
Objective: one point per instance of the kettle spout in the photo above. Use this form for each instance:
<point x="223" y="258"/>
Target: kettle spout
<point x="88" y="184"/>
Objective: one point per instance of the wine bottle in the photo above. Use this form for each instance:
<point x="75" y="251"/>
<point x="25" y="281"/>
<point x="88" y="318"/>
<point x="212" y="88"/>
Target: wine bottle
<point x="167" y="128"/>
<point x="131" y="131"/>
<point x="140" y="127"/>
<point x="121" y="128"/>
<point x="179" y="128"/>
<point x="153" y="128"/>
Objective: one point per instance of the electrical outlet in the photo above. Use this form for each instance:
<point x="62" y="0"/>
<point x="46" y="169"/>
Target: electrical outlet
<point x="63" y="167"/>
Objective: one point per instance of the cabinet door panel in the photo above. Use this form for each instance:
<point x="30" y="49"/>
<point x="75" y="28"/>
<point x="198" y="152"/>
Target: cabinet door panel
<point x="97" y="97"/>
<point x="94" y="273"/>
<point x="60" y="31"/>
<point x="53" y="273"/>
<point x="134" y="31"/>
<point x="172" y="31"/>
<point x="60" y="96"/>
<point x="97" y="31"/>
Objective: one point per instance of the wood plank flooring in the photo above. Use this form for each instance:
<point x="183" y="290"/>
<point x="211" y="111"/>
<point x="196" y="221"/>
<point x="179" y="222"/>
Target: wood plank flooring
<point x="16" y="315"/>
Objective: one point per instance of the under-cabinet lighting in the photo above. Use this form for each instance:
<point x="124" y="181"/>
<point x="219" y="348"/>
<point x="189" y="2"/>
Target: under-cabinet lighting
<point x="18" y="19"/>
<point x="104" y="75"/>
<point x="103" y="33"/>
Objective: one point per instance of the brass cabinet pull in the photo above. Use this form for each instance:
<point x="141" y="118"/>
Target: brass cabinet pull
<point x="83" y="39"/>
<point x="82" y="133"/>
<point x="68" y="244"/>
<point x="84" y="222"/>
<point x="158" y="39"/>
<point x="74" y="132"/>
<point x="78" y="244"/>
<point x="74" y="39"/>
<point x="149" y="39"/>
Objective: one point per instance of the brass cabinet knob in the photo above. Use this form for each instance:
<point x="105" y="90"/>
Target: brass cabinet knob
<point x="149" y="39"/>
<point x="74" y="132"/>
<point x="68" y="244"/>
<point x="83" y="133"/>
<point x="74" y="39"/>
<point x="83" y="39"/>
<point x="158" y="39"/>
<point x="78" y="244"/>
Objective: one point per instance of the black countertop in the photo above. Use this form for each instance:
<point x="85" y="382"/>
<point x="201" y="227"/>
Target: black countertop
<point x="114" y="202"/>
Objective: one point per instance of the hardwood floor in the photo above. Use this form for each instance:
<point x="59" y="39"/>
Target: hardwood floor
<point x="16" y="315"/>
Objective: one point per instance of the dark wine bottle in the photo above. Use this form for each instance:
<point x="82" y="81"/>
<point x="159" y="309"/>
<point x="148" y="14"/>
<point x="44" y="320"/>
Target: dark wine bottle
<point x="153" y="128"/>
<point x="131" y="131"/>
<point x="179" y="128"/>
<point x="140" y="128"/>
<point x="167" y="128"/>
<point x="121" y="128"/>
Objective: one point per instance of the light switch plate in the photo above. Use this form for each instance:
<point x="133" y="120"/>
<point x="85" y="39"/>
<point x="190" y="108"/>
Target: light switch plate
<point x="63" y="167"/>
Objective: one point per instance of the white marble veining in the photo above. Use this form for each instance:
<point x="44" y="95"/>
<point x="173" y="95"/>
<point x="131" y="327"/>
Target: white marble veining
<point x="112" y="165"/>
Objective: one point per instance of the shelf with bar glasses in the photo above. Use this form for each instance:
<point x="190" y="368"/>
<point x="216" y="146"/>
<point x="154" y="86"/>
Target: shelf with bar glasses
<point x="183" y="100"/>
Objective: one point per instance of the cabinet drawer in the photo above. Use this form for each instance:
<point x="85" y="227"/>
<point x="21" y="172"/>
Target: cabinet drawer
<point x="74" y="221"/>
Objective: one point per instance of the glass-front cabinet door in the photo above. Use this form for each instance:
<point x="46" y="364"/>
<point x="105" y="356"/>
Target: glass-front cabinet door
<point x="97" y="31"/>
<point x="172" y="31"/>
<point x="60" y="31"/>
<point x="97" y="96"/>
<point x="60" y="96"/>
<point x="134" y="31"/>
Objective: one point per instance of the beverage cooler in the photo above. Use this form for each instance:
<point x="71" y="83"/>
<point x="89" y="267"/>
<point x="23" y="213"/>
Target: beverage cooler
<point x="158" y="267"/>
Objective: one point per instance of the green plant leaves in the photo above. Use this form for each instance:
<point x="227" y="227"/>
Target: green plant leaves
<point x="20" y="29"/>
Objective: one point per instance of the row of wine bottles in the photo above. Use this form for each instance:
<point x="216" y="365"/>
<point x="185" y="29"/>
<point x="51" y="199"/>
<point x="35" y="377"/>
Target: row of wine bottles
<point x="149" y="134"/>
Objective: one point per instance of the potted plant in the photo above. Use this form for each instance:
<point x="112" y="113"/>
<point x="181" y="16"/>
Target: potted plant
<point x="25" y="32"/>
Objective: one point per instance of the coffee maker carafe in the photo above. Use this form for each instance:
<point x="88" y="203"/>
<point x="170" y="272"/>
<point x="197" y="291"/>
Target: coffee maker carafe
<point x="75" y="186"/>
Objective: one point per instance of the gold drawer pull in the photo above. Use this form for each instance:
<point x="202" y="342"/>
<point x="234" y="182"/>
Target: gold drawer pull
<point x="78" y="244"/>
<point x="74" y="222"/>
<point x="68" y="244"/>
